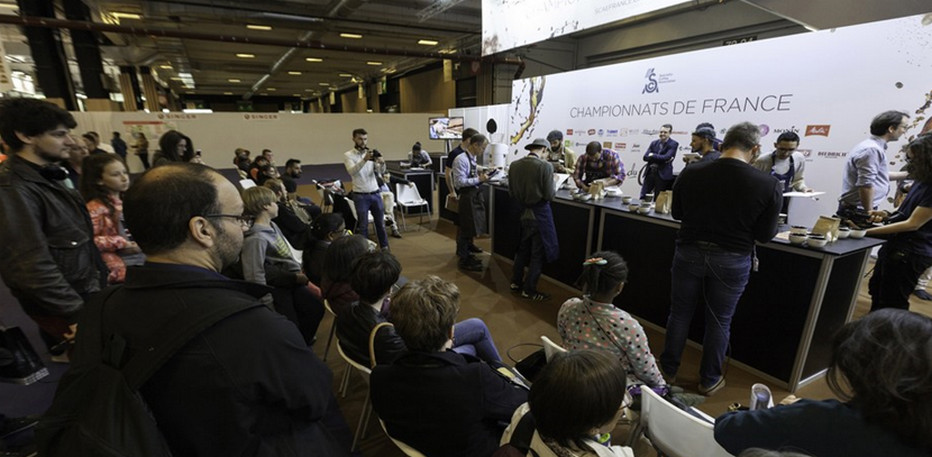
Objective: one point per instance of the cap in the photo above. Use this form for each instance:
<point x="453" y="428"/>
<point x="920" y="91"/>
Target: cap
<point x="555" y="135"/>
<point x="537" y="143"/>
<point x="705" y="132"/>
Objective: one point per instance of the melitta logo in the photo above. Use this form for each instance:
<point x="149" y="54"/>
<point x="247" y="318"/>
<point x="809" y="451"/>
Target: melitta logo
<point x="818" y="130"/>
<point x="652" y="85"/>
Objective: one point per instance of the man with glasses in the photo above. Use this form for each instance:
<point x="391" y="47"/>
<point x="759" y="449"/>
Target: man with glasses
<point x="247" y="382"/>
<point x="466" y="179"/>
<point x="725" y="205"/>
<point x="786" y="164"/>
<point x="866" y="180"/>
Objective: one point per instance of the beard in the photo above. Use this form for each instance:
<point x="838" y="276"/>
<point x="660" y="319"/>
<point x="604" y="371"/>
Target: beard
<point x="228" y="247"/>
<point x="50" y="157"/>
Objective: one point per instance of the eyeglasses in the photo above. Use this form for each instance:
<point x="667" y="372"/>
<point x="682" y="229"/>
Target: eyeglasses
<point x="245" y="221"/>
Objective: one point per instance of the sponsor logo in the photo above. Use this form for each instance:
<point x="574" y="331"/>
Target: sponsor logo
<point x="817" y="130"/>
<point x="569" y="132"/>
<point x="622" y="132"/>
<point x="590" y="132"/>
<point x="620" y="146"/>
<point x="650" y="132"/>
<point x="635" y="145"/>
<point x="612" y="132"/>
<point x="607" y="145"/>
<point x="179" y="116"/>
<point x="805" y="152"/>
<point x="652" y="85"/>
<point x="764" y="129"/>
<point x="601" y="132"/>
<point x="581" y="144"/>
<point x="791" y="128"/>
<point x="261" y="117"/>
<point x="831" y="155"/>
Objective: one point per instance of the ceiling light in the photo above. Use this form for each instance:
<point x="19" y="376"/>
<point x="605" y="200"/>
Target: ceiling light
<point x="447" y="51"/>
<point x="233" y="80"/>
<point x="271" y="89"/>
<point x="263" y="93"/>
<point x="246" y="56"/>
<point x="324" y="84"/>
<point x="354" y="36"/>
<point x="175" y="78"/>
<point x="294" y="73"/>
<point x="309" y="90"/>
<point x="314" y="59"/>
<point x="165" y="67"/>
<point x="228" y="93"/>
<point x="371" y="62"/>
<point x="295" y="95"/>
<point x="185" y="75"/>
<point x="258" y="27"/>
<point x="121" y="15"/>
<point x="345" y="75"/>
<point x="428" y="42"/>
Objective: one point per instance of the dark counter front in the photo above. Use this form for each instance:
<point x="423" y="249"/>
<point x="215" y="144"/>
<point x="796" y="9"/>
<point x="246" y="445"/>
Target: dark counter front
<point x="786" y="317"/>
<point x="574" y="222"/>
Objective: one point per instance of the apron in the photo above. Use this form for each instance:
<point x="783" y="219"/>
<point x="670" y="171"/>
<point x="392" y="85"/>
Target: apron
<point x="786" y="178"/>
<point x="592" y="173"/>
<point x="471" y="207"/>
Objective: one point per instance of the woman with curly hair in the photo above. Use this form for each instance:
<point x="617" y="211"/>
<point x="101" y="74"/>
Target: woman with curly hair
<point x="881" y="369"/>
<point x="908" y="252"/>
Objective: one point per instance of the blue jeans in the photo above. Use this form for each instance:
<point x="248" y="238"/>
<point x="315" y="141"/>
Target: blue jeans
<point x="472" y="337"/>
<point x="704" y="274"/>
<point x="370" y="202"/>
<point x="531" y="255"/>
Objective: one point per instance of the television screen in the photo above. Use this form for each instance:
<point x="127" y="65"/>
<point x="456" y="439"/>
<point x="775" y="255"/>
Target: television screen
<point x="445" y="128"/>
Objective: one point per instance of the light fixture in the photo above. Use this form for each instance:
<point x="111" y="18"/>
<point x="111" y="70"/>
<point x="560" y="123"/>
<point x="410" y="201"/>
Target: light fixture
<point x="228" y="93"/>
<point x="295" y="95"/>
<point x="9" y="5"/>
<point x="428" y="42"/>
<point x="354" y="36"/>
<point x="175" y="78"/>
<point x="122" y="15"/>
<point x="314" y="59"/>
<point x="447" y="51"/>
<point x="309" y="90"/>
<point x="324" y="84"/>
<point x="165" y="67"/>
<point x="233" y="80"/>
<point x="294" y="73"/>
<point x="374" y="63"/>
<point x="345" y="75"/>
<point x="258" y="27"/>
<point x="243" y="55"/>
<point x="271" y="89"/>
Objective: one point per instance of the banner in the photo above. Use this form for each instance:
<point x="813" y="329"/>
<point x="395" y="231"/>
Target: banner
<point x="826" y="86"/>
<point x="544" y="19"/>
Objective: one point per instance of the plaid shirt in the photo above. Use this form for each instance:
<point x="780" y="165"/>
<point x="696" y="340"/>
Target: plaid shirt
<point x="607" y="165"/>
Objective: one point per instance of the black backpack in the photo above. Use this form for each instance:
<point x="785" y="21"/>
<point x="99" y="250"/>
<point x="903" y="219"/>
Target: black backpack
<point x="98" y="410"/>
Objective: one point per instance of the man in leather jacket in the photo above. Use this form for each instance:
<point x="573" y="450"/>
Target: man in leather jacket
<point x="47" y="254"/>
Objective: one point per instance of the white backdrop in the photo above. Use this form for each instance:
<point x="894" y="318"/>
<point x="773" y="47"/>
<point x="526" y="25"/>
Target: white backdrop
<point x="826" y="86"/>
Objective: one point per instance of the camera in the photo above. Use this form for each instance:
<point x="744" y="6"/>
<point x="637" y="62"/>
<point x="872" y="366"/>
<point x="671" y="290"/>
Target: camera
<point x="376" y="154"/>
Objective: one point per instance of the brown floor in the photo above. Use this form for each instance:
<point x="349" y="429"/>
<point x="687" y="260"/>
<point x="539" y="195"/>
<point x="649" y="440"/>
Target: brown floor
<point x="429" y="250"/>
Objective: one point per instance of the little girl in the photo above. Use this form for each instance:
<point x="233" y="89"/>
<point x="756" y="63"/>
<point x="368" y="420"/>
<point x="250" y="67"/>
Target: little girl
<point x="103" y="180"/>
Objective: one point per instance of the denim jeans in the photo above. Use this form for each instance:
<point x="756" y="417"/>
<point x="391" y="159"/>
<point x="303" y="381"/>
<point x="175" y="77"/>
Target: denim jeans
<point x="531" y="255"/>
<point x="716" y="277"/>
<point x="370" y="202"/>
<point x="473" y="337"/>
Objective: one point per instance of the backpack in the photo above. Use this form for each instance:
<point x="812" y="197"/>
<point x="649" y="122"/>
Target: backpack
<point x="98" y="410"/>
<point x="520" y="443"/>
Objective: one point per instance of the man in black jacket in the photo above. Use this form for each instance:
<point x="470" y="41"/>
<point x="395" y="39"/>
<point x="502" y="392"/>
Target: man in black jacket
<point x="248" y="385"/>
<point x="47" y="254"/>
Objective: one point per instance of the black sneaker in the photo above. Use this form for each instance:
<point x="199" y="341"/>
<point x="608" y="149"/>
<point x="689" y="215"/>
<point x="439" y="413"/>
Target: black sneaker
<point x="11" y="425"/>
<point x="475" y="249"/>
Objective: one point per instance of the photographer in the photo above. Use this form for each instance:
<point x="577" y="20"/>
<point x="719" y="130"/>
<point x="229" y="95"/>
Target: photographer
<point x="364" y="165"/>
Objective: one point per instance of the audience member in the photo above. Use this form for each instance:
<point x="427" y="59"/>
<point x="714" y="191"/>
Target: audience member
<point x="172" y="148"/>
<point x="77" y="152"/>
<point x="419" y="158"/>
<point x="339" y="260"/>
<point x="438" y="401"/>
<point x="597" y="164"/>
<point x="257" y="164"/>
<point x="292" y="172"/>
<point x="93" y="143"/>
<point x="716" y="143"/>
<point x="881" y="368"/>
<point x="530" y="183"/>
<point x="104" y="179"/>
<point x="908" y="251"/>
<point x="190" y="154"/>
<point x="593" y="321"/>
<point x="575" y="403"/>
<point x="702" y="143"/>
<point x="45" y="224"/>
<point x="365" y="166"/>
<point x="100" y="144"/>
<point x="386" y="183"/>
<point x="268" y="259"/>
<point x="119" y="146"/>
<point x="325" y="228"/>
<point x="266" y="172"/>
<point x="725" y="206"/>
<point x="293" y="220"/>
<point x="248" y="385"/>
<point x="142" y="149"/>
<point x="471" y="221"/>
<point x="242" y="162"/>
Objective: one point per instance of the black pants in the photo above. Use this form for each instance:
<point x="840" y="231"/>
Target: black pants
<point x="653" y="183"/>
<point x="896" y="274"/>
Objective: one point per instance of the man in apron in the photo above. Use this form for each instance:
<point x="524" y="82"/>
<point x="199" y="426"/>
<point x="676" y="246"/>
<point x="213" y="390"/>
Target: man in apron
<point x="466" y="181"/>
<point x="786" y="164"/>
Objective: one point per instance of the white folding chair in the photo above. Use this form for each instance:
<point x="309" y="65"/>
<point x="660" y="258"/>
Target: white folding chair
<point x="333" y="328"/>
<point x="674" y="432"/>
<point x="407" y="197"/>
<point x="366" y="406"/>
<point x="550" y="348"/>
<point x="408" y="450"/>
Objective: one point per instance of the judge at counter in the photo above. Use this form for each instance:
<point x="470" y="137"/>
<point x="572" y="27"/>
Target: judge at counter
<point x="598" y="165"/>
<point x="785" y="163"/>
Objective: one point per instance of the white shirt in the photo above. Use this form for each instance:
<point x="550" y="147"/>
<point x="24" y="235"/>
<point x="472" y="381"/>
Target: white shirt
<point x="361" y="171"/>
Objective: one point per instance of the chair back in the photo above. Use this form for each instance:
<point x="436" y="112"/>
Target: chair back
<point x="550" y="348"/>
<point x="408" y="450"/>
<point x="408" y="195"/>
<point x="363" y="370"/>
<point x="675" y="432"/>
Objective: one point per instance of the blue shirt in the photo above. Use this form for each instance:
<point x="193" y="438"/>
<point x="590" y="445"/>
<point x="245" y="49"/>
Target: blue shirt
<point x="919" y="241"/>
<point x="866" y="165"/>
<point x="464" y="171"/>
